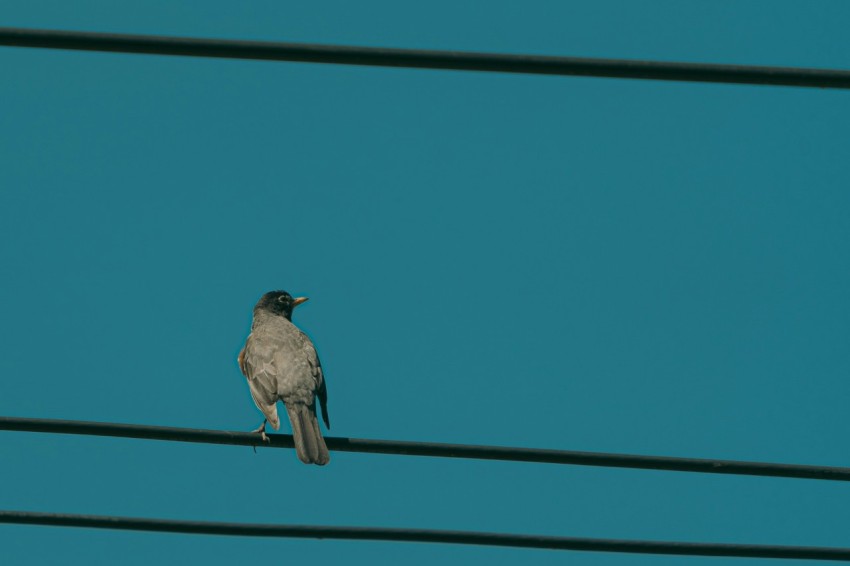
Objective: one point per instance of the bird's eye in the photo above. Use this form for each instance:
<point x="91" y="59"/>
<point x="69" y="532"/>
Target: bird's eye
<point x="282" y="298"/>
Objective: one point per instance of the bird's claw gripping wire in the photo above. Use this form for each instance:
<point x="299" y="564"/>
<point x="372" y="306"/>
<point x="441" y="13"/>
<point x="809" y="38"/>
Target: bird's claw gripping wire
<point x="263" y="436"/>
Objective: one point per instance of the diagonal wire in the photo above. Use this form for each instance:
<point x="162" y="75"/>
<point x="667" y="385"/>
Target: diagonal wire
<point x="425" y="59"/>
<point x="426" y="535"/>
<point x="709" y="466"/>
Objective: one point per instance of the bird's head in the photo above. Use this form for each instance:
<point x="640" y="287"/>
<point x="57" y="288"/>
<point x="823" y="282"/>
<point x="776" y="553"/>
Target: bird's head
<point x="280" y="303"/>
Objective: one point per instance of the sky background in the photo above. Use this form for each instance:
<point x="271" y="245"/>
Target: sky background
<point x="574" y="263"/>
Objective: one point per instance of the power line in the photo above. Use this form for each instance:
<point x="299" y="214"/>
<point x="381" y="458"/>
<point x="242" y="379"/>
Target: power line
<point x="427" y="535"/>
<point x="425" y="59"/>
<point x="731" y="467"/>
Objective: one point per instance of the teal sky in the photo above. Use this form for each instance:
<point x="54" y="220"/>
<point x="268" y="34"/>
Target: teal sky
<point x="589" y="264"/>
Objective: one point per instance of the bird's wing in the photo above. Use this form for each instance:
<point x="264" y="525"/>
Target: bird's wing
<point x="257" y="363"/>
<point x="319" y="375"/>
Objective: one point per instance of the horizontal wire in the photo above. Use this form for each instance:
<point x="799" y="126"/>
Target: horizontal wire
<point x="425" y="59"/>
<point x="732" y="467"/>
<point x="427" y="535"/>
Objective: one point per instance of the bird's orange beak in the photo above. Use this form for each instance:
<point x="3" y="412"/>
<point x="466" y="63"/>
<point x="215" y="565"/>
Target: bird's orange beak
<point x="299" y="300"/>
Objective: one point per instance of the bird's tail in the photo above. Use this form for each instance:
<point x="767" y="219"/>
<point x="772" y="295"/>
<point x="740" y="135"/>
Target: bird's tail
<point x="309" y="444"/>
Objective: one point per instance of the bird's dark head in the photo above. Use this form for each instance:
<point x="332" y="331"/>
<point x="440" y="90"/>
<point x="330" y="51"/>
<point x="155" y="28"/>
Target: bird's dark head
<point x="280" y="303"/>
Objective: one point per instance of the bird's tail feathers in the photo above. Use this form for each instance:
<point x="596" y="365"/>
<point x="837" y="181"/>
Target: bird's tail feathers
<point x="309" y="444"/>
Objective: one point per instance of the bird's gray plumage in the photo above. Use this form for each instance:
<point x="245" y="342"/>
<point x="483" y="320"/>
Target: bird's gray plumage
<point x="281" y="364"/>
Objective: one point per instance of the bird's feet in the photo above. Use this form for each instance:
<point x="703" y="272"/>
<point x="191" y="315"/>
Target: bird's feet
<point x="263" y="436"/>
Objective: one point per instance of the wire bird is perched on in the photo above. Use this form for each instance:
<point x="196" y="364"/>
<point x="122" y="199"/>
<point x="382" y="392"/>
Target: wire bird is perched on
<point x="281" y="364"/>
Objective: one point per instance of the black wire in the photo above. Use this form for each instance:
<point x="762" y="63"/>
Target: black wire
<point x="433" y="449"/>
<point x="425" y="535"/>
<point x="424" y="59"/>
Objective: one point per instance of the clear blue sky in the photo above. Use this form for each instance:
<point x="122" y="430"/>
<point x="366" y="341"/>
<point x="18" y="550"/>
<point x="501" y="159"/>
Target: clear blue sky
<point x="575" y="263"/>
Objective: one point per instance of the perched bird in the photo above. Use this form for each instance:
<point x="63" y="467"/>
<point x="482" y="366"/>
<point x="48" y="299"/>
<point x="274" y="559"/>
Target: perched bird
<point x="281" y="364"/>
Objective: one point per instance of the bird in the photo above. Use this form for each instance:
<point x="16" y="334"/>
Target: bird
<point x="281" y="364"/>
